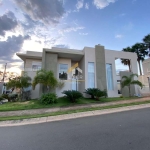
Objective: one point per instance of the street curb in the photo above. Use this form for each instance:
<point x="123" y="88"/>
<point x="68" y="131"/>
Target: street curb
<point x="71" y="116"/>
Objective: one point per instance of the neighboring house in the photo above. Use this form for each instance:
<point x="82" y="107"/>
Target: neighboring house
<point x="97" y="67"/>
<point x="146" y="66"/>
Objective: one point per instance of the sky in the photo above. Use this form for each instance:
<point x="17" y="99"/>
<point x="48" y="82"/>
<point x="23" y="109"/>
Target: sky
<point x="37" y="24"/>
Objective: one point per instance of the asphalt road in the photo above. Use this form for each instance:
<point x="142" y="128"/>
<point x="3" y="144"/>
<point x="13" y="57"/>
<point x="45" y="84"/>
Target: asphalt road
<point x="119" y="131"/>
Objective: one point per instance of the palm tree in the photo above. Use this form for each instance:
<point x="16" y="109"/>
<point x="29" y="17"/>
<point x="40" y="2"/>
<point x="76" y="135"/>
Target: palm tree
<point x="46" y="78"/>
<point x="126" y="61"/>
<point x="128" y="81"/>
<point x="141" y="50"/>
<point x="146" y="40"/>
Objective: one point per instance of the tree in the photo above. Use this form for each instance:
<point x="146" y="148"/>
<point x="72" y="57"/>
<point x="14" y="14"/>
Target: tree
<point x="126" y="61"/>
<point x="146" y="40"/>
<point x="141" y="50"/>
<point x="19" y="82"/>
<point x="128" y="81"/>
<point x="46" y="78"/>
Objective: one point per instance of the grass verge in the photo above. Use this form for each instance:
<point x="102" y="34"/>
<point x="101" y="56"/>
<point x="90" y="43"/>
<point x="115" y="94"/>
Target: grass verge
<point x="71" y="111"/>
<point x="61" y="102"/>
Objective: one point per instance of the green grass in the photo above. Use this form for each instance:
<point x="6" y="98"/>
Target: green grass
<point x="62" y="102"/>
<point x="70" y="111"/>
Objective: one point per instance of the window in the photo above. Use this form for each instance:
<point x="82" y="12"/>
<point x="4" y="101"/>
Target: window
<point x="91" y="75"/>
<point x="36" y="66"/>
<point x="110" y="85"/>
<point x="63" y="68"/>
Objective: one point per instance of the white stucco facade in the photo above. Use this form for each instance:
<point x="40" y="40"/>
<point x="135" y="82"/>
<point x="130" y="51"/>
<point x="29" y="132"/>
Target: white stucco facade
<point x="82" y="57"/>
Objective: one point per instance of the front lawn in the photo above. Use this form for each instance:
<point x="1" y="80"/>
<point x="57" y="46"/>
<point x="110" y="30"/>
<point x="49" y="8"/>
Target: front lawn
<point x="61" y="102"/>
<point x="70" y="111"/>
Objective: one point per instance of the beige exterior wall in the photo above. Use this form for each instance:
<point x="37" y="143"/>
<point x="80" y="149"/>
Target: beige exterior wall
<point x="67" y="85"/>
<point x="28" y="62"/>
<point x="110" y="57"/>
<point x="146" y="66"/>
<point x="89" y="57"/>
<point x="28" y="69"/>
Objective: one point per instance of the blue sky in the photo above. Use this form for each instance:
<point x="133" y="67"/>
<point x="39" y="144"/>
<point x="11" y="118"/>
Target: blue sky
<point x="74" y="24"/>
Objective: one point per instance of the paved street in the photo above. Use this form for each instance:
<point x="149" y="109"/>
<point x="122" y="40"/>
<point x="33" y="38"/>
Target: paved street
<point x="119" y="131"/>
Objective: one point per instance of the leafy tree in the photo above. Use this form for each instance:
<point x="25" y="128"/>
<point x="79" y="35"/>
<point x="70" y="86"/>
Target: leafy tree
<point x="141" y="50"/>
<point x="128" y="81"/>
<point x="19" y="82"/>
<point x="146" y="40"/>
<point x="46" y="78"/>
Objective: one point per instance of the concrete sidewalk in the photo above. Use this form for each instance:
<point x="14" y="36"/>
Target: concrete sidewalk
<point x="49" y="110"/>
<point x="71" y="116"/>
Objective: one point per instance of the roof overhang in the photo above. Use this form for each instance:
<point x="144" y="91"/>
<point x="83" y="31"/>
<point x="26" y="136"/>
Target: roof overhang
<point x="27" y="56"/>
<point x="74" y="55"/>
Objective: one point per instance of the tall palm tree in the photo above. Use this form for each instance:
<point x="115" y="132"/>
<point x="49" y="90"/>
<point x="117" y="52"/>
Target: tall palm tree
<point x="46" y="78"/>
<point x="141" y="50"/>
<point x="126" y="61"/>
<point x="146" y="40"/>
<point x="128" y="81"/>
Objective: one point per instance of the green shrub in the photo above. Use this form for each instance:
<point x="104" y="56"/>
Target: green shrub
<point x="5" y="96"/>
<point x="13" y="97"/>
<point x="91" y="92"/>
<point x="121" y="96"/>
<point x="72" y="95"/>
<point x="1" y="98"/>
<point x="48" y="98"/>
<point x="100" y="93"/>
<point x="96" y="93"/>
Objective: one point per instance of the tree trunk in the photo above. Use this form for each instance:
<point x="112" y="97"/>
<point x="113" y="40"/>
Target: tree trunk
<point x="140" y="67"/>
<point x="129" y="65"/>
<point x="92" y="97"/>
<point x="129" y="68"/>
<point x="129" y="91"/>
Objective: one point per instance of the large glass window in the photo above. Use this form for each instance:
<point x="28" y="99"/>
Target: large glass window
<point x="63" y="68"/>
<point x="91" y="75"/>
<point x="110" y="85"/>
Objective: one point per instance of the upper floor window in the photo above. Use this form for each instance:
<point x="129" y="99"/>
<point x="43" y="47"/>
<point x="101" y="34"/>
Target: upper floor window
<point x="63" y="68"/>
<point x="36" y="66"/>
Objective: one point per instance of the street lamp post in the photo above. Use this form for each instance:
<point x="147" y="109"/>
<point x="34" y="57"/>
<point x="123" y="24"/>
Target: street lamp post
<point x="4" y="73"/>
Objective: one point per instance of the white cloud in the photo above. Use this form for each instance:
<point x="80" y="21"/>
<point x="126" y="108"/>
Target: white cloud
<point x="83" y="33"/>
<point x="122" y="15"/>
<point x="47" y="11"/>
<point x="0" y="2"/>
<point x="119" y="36"/>
<point x="87" y="6"/>
<point x="70" y="29"/>
<point x="79" y="4"/>
<point x="100" y="4"/>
